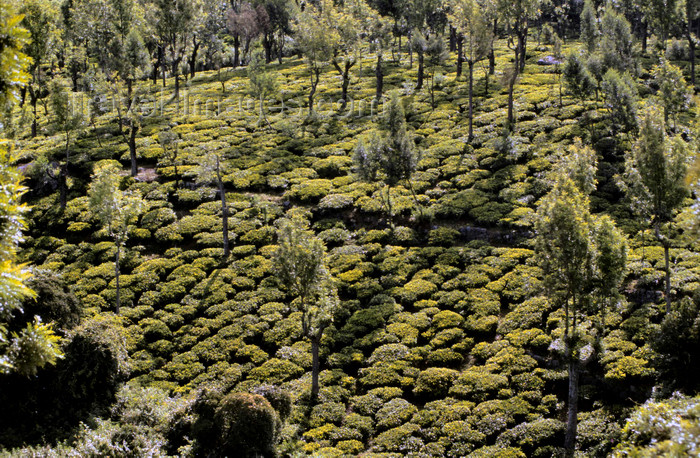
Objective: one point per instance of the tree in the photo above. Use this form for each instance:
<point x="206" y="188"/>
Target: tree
<point x="67" y="119"/>
<point x="616" y="41"/>
<point x="114" y="209"/>
<point x="673" y="93"/>
<point x="279" y="15"/>
<point x="437" y="55"/>
<point x="391" y="156"/>
<point x="620" y="96"/>
<point x="34" y="345"/>
<point x="174" y="19"/>
<point x="583" y="259"/>
<point x="301" y="266"/>
<point x="589" y="26"/>
<point x="580" y="164"/>
<point x="379" y="36"/>
<point x="169" y="141"/>
<point x="691" y="13"/>
<point x="262" y="83"/>
<point x="209" y="171"/>
<point x="661" y="15"/>
<point x="13" y="59"/>
<point x="246" y="22"/>
<point x="654" y="180"/>
<point x="317" y="42"/>
<point x="475" y="40"/>
<point x="347" y="26"/>
<point x="516" y="15"/>
<point x="39" y="20"/>
<point x="577" y="79"/>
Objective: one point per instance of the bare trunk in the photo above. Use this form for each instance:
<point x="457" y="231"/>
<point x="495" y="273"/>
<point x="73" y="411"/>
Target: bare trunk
<point x="380" y="77"/>
<point x="511" y="86"/>
<point x="471" y="104"/>
<point x="572" y="411"/>
<point x="315" y="367"/>
<point x="116" y="273"/>
<point x="132" y="148"/>
<point x="236" y="50"/>
<point x="193" y="57"/>
<point x="33" y="98"/>
<point x="460" y="57"/>
<point x="667" y="264"/>
<point x="421" y="65"/>
<point x="224" y="208"/>
<point x="668" y="277"/>
<point x="315" y="76"/>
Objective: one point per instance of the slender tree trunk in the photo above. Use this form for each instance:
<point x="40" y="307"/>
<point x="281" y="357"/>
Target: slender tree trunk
<point x="176" y="75"/>
<point x="280" y="47"/>
<point x="63" y="186"/>
<point x="380" y="77"/>
<point x="511" y="86"/>
<point x="460" y="56"/>
<point x="522" y="48"/>
<point x="668" y="277"/>
<point x="116" y="274"/>
<point x="667" y="264"/>
<point x="193" y="57"/>
<point x="691" y="49"/>
<point x="236" y="50"/>
<point x="453" y="39"/>
<point x="315" y="76"/>
<point x="572" y="411"/>
<point x="224" y="208"/>
<point x="492" y="54"/>
<point x="421" y="66"/>
<point x="644" y="37"/>
<point x="156" y="65"/>
<point x="132" y="147"/>
<point x="315" y="367"/>
<point x="33" y="98"/>
<point x="470" y="64"/>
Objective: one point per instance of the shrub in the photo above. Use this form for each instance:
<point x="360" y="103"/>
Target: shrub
<point x="447" y="319"/>
<point x="435" y="382"/>
<point x="246" y="426"/>
<point x="395" y="413"/>
<point x="276" y="371"/>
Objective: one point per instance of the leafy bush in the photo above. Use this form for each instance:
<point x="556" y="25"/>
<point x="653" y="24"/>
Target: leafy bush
<point x="435" y="382"/>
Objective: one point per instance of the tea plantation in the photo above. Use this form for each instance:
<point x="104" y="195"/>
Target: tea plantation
<point x="445" y="340"/>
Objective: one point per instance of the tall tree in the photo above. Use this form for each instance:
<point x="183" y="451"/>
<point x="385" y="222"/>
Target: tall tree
<point x="475" y="41"/>
<point x="516" y="15"/>
<point x="262" y="83"/>
<point x="301" y="267"/>
<point x="390" y="156"/>
<point x="40" y="21"/>
<point x="66" y="119"/>
<point x="35" y="345"/>
<point x="379" y="36"/>
<point x="317" y="42"/>
<point x="583" y="259"/>
<point x="589" y="26"/>
<point x="691" y="14"/>
<point x="654" y="179"/>
<point x="210" y="171"/>
<point x="346" y="23"/>
<point x="673" y="93"/>
<point x="115" y="209"/>
<point x="174" y="21"/>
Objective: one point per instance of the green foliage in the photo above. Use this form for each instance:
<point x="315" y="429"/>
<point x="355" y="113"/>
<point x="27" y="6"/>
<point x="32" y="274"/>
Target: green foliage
<point x="13" y="61"/>
<point x="244" y="425"/>
<point x="668" y="427"/>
